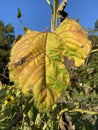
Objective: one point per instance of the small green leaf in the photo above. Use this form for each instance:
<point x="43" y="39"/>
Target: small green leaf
<point x="18" y="13"/>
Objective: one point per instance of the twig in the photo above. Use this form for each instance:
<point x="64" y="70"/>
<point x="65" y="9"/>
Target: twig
<point x="4" y="76"/>
<point x="78" y="110"/>
<point x="14" y="122"/>
<point x="60" y="11"/>
<point x="95" y="50"/>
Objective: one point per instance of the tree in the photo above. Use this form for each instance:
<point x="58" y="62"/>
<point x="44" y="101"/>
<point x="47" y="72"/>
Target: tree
<point x="6" y="39"/>
<point x="96" y="25"/>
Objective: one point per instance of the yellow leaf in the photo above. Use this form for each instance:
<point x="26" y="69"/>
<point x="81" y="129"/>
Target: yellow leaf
<point x="76" y="44"/>
<point x="37" y="61"/>
<point x="36" y="67"/>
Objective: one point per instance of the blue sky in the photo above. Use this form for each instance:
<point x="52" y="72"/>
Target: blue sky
<point x="36" y="13"/>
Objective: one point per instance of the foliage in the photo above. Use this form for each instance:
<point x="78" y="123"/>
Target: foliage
<point x="36" y="66"/>
<point x="67" y="97"/>
<point x="6" y="39"/>
<point x="12" y="102"/>
<point x="96" y="25"/>
<point x="84" y="85"/>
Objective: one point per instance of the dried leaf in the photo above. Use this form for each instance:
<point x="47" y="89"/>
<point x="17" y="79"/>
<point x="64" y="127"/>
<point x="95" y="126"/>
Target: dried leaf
<point x="65" y="122"/>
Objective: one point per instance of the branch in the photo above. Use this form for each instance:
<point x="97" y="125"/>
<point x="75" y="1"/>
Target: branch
<point x="60" y="11"/>
<point x="78" y="110"/>
<point x="3" y="75"/>
<point x="95" y="50"/>
<point x="19" y="116"/>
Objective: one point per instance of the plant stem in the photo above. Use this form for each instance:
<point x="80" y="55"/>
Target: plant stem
<point x="78" y="110"/>
<point x="95" y="50"/>
<point x="54" y="16"/>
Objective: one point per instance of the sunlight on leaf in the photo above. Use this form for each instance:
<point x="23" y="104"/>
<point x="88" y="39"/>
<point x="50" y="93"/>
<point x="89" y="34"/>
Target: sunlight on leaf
<point x="76" y="44"/>
<point x="37" y="61"/>
<point x="36" y="67"/>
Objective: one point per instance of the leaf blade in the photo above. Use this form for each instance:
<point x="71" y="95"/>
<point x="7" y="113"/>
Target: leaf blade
<point x="76" y="44"/>
<point x="42" y="73"/>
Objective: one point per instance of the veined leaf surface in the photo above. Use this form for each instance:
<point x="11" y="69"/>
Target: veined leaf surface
<point x="36" y="67"/>
<point x="37" y="61"/>
<point x="76" y="44"/>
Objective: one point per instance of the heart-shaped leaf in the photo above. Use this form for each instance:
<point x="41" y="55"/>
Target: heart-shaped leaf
<point x="37" y="61"/>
